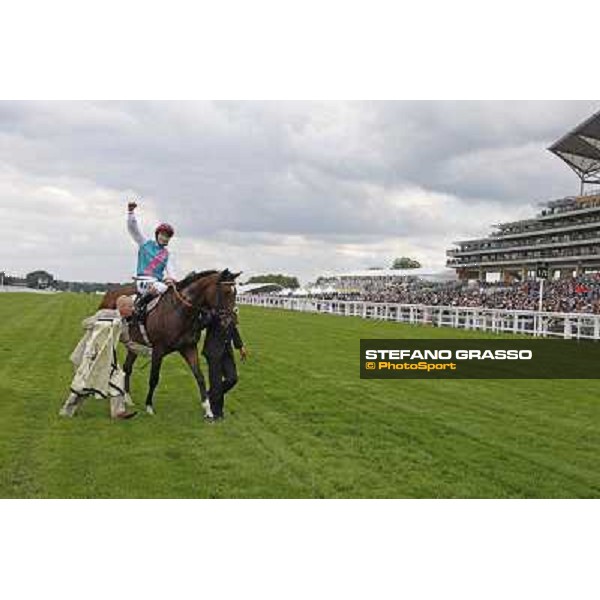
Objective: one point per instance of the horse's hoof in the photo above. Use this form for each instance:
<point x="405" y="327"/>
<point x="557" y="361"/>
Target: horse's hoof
<point x="207" y="410"/>
<point x="150" y="410"/>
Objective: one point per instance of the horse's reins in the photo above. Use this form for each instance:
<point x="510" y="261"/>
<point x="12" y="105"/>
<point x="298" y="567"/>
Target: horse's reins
<point x="180" y="297"/>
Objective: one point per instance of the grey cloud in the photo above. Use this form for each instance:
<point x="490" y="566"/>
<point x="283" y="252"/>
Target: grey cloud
<point x="238" y="174"/>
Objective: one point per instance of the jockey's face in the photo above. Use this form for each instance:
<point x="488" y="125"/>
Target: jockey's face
<point x="162" y="238"/>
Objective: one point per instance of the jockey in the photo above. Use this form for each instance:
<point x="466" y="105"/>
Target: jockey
<point x="154" y="273"/>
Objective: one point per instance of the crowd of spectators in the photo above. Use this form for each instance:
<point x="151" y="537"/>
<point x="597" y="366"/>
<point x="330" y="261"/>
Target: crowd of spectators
<point x="578" y="294"/>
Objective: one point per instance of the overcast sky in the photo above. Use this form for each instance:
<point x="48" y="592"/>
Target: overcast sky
<point x="301" y="188"/>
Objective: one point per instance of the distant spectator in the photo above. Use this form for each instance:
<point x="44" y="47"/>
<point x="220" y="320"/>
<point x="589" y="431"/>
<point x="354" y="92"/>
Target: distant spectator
<point x="577" y="294"/>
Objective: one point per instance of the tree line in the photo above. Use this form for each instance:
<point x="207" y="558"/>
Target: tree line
<point x="43" y="280"/>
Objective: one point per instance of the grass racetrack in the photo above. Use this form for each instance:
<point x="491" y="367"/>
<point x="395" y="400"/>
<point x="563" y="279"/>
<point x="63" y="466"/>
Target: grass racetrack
<point x="299" y="424"/>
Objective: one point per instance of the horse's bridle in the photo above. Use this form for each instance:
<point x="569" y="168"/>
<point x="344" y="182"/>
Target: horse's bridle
<point x="225" y="315"/>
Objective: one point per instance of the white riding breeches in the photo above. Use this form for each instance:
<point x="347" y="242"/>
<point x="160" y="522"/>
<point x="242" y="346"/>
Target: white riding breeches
<point x="145" y="284"/>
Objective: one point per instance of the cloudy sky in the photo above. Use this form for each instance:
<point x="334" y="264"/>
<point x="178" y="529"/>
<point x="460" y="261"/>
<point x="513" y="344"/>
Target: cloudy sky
<point x="302" y="188"/>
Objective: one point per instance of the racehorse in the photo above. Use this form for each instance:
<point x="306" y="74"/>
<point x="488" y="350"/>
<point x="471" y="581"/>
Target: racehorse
<point x="174" y="325"/>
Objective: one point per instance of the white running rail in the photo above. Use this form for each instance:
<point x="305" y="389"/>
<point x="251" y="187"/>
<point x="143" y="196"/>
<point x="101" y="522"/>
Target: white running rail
<point x="524" y="322"/>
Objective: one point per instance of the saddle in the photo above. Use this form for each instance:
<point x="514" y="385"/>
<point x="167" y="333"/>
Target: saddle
<point x="143" y="306"/>
<point x="136" y="308"/>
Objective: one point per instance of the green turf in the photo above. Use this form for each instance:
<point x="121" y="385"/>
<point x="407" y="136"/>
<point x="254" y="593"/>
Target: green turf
<point x="300" y="423"/>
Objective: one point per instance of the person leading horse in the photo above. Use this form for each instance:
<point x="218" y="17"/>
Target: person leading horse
<point x="221" y="334"/>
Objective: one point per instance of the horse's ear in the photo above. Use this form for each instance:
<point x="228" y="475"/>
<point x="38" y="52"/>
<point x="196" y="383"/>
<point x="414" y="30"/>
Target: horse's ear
<point x="227" y="275"/>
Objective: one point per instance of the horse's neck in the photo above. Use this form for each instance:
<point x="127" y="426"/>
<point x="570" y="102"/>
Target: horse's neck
<point x="198" y="297"/>
<point x="171" y="318"/>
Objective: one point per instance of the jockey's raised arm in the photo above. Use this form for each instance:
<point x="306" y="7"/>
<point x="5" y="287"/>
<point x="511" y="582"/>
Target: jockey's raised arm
<point x="134" y="229"/>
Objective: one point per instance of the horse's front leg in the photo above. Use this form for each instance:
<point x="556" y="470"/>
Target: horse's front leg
<point x="190" y="355"/>
<point x="127" y="369"/>
<point x="157" y="358"/>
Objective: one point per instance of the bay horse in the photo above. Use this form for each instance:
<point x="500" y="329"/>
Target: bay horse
<point x="174" y="325"/>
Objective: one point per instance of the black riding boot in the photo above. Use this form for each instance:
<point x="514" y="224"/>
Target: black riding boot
<point x="141" y="303"/>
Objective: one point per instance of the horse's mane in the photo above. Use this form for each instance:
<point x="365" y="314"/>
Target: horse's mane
<point x="225" y="276"/>
<point x="193" y="276"/>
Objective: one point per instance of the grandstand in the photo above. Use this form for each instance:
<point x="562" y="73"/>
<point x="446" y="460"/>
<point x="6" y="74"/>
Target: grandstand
<point x="564" y="236"/>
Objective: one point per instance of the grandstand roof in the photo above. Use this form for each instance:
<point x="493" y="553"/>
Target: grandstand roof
<point x="580" y="149"/>
<point x="247" y="288"/>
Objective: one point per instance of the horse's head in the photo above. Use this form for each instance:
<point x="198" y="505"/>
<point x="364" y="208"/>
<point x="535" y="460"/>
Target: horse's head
<point x="212" y="289"/>
<point x="226" y="291"/>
